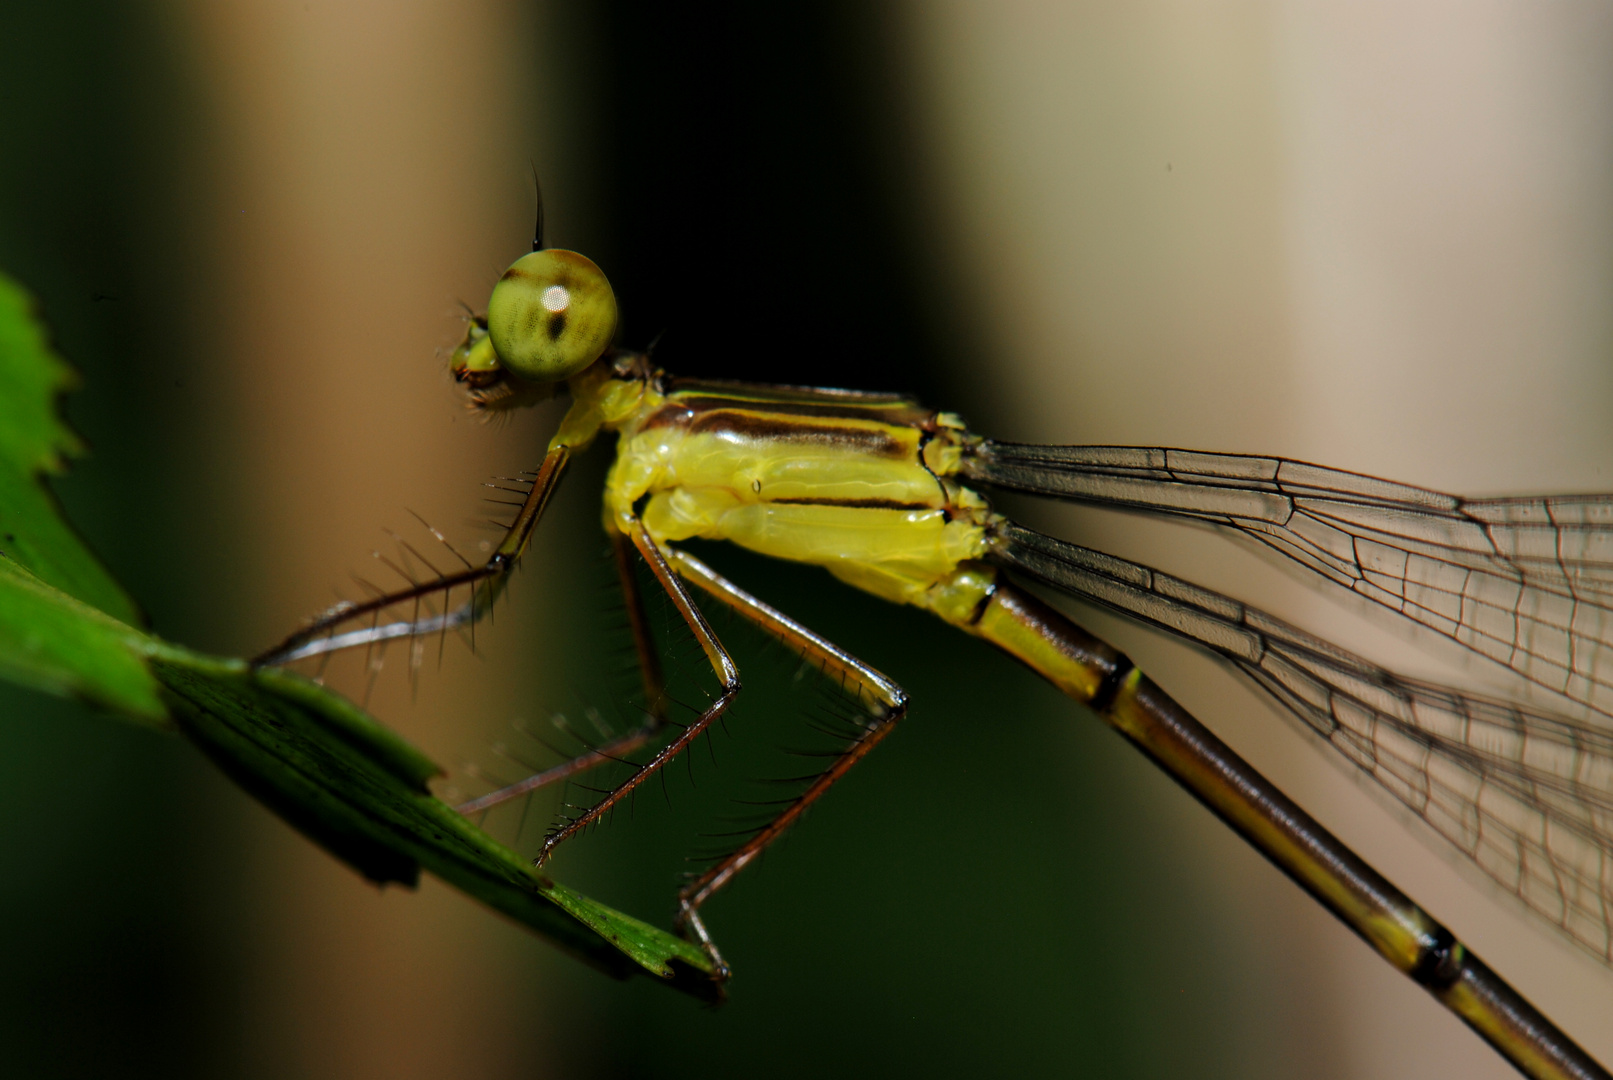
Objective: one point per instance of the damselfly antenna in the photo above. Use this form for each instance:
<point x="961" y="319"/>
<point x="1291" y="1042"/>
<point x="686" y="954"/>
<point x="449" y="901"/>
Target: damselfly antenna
<point x="537" y="229"/>
<point x="655" y="342"/>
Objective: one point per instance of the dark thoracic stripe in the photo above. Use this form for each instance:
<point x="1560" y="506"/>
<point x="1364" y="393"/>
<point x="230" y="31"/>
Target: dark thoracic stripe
<point x="900" y="412"/>
<point x="860" y="504"/>
<point x="758" y="425"/>
<point x="731" y="388"/>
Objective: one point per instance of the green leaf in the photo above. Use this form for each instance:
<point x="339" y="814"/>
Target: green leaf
<point x="359" y="791"/>
<point x="55" y="643"/>
<point x="35" y="442"/>
<point x="328" y="768"/>
<point x="33" y="438"/>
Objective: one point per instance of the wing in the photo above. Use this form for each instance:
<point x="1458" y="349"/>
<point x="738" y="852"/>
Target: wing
<point x="1524" y="581"/>
<point x="1526" y="794"/>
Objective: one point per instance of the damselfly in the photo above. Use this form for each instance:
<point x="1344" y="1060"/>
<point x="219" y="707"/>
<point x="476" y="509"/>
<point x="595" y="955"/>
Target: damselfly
<point x="886" y="494"/>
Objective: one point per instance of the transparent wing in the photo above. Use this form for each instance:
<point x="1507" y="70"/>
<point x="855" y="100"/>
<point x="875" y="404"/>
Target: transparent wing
<point x="1524" y="581"/>
<point x="1526" y="794"/>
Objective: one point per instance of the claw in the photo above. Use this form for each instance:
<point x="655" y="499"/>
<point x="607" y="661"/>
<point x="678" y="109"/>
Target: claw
<point x="689" y="925"/>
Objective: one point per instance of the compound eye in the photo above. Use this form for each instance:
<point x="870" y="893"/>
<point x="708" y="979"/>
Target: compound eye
<point x="551" y="315"/>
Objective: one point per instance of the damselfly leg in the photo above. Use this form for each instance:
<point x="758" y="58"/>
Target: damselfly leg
<point x="722" y="665"/>
<point x="485" y="583"/>
<point x="612" y="750"/>
<point x="882" y="701"/>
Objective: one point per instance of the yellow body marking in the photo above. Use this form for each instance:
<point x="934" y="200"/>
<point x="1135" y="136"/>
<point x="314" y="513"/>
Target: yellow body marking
<point x="864" y="491"/>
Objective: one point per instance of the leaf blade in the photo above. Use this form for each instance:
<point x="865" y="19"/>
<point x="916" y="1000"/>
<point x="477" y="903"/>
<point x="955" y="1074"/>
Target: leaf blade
<point x="290" y="744"/>
<point x="34" y="443"/>
<point x="53" y="642"/>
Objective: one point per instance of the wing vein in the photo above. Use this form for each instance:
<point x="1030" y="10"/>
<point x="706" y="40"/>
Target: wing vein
<point x="1525" y="793"/>
<point x="1524" y="581"/>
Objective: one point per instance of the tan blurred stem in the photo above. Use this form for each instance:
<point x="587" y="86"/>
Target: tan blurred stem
<point x="371" y="166"/>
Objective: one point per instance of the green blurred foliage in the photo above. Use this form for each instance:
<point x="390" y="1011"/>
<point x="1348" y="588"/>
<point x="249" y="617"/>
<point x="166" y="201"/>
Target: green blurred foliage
<point x="117" y="957"/>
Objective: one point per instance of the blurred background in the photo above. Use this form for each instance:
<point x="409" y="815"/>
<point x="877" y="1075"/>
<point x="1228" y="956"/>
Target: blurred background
<point x="1371" y="235"/>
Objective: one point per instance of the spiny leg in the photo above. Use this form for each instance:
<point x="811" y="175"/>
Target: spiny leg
<point x="885" y="701"/>
<point x="638" y="621"/>
<point x="485" y="582"/>
<point x="721" y="663"/>
<point x="649" y="665"/>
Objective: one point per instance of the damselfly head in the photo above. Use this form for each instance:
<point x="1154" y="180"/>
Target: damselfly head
<point x="550" y="316"/>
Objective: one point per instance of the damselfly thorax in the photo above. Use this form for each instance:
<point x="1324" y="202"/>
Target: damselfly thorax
<point x="863" y="485"/>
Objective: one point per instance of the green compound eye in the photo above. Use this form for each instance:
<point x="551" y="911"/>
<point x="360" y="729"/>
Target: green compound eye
<point x="551" y="315"/>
